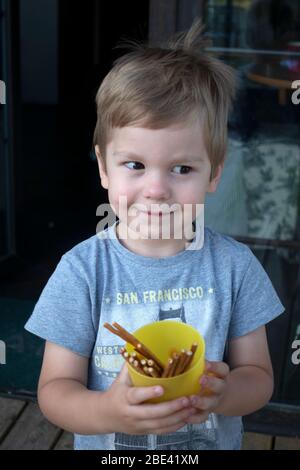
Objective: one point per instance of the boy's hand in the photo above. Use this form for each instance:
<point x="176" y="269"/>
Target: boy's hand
<point x="128" y="413"/>
<point x="213" y="386"/>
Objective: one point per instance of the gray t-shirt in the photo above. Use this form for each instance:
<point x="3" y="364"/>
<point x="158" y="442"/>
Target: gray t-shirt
<point x="220" y="289"/>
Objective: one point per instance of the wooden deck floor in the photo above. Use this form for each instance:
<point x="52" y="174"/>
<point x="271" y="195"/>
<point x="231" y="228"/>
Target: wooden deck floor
<point x="22" y="426"/>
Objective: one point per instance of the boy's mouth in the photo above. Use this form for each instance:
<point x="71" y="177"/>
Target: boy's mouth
<point x="158" y="214"/>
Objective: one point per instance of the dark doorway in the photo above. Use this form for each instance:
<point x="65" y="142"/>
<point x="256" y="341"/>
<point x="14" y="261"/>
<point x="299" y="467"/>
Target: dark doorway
<point x="62" y="50"/>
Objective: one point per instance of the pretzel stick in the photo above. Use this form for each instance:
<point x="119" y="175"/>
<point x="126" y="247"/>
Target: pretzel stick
<point x="129" y="338"/>
<point x="153" y="372"/>
<point x="149" y="355"/>
<point x="127" y="359"/>
<point x="172" y="372"/>
<point x="191" y="356"/>
<point x="167" y="368"/>
<point x="125" y="355"/>
<point x="153" y="364"/>
<point x="185" y="358"/>
<point x="133" y="362"/>
<point x="126" y="335"/>
<point x="180" y="363"/>
<point x="153" y="367"/>
<point x="134" y="355"/>
<point x="145" y="369"/>
<point x="138" y="366"/>
<point x="113" y="330"/>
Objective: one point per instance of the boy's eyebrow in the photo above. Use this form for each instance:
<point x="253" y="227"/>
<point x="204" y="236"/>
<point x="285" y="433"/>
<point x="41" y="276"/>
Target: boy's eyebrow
<point x="177" y="159"/>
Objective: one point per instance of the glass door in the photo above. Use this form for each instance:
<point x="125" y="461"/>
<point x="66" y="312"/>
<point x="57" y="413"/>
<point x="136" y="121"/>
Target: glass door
<point x="258" y="198"/>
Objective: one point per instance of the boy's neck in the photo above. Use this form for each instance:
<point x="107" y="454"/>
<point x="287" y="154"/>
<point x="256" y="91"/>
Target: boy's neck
<point x="151" y="248"/>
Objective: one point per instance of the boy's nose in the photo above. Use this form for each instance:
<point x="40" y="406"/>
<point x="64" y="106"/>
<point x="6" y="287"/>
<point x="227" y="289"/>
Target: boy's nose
<point x="156" y="188"/>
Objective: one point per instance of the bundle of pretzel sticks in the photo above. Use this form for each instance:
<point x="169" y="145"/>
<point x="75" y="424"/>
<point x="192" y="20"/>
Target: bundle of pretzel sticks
<point x="145" y="362"/>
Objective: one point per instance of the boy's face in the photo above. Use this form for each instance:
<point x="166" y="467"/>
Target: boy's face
<point x="157" y="169"/>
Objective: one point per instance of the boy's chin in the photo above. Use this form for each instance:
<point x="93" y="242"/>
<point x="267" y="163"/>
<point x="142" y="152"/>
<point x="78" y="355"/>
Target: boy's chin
<point x="152" y="231"/>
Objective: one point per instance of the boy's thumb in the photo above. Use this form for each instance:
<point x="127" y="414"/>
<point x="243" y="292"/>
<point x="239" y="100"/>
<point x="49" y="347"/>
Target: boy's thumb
<point x="124" y="377"/>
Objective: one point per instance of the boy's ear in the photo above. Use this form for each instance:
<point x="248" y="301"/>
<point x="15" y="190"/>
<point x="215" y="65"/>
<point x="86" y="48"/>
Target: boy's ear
<point x="102" y="172"/>
<point x="213" y="184"/>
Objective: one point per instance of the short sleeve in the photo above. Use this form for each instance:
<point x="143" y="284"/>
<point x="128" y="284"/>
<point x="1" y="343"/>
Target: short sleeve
<point x="62" y="314"/>
<point x="256" y="302"/>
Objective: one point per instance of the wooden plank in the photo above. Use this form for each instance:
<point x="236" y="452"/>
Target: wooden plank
<point x="9" y="411"/>
<point x="65" y="442"/>
<point x="31" y="432"/>
<point x="287" y="443"/>
<point x="254" y="441"/>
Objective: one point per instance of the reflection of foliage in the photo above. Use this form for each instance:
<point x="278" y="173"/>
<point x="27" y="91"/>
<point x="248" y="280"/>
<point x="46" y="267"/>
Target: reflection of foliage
<point x="272" y="178"/>
<point x="267" y="174"/>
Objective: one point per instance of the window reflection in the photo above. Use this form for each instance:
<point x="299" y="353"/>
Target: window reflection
<point x="261" y="179"/>
<point x="258" y="198"/>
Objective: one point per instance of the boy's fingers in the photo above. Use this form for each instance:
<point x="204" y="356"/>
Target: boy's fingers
<point x="211" y="384"/>
<point x="204" y="403"/>
<point x="137" y="395"/>
<point x="175" y="419"/>
<point x="124" y="376"/>
<point x="220" y="369"/>
<point x="197" y="418"/>
<point x="162" y="410"/>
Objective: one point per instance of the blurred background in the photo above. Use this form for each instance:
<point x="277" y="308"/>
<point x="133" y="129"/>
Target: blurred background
<point x="53" y="56"/>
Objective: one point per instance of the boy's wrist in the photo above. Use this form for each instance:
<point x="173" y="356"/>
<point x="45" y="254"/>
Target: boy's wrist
<point x="99" y="412"/>
<point x="247" y="390"/>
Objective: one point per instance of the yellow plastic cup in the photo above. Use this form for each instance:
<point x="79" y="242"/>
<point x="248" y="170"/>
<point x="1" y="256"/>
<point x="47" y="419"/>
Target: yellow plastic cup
<point x="163" y="338"/>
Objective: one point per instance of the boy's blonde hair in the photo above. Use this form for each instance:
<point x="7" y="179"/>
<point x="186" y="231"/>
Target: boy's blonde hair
<point x="155" y="87"/>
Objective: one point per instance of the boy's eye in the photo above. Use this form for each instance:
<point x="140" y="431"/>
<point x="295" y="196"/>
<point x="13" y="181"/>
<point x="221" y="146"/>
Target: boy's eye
<point x="186" y="169"/>
<point x="135" y="165"/>
<point x="139" y="166"/>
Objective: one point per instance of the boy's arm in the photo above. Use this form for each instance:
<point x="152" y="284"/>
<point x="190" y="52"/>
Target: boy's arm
<point x="244" y="388"/>
<point x="62" y="393"/>
<point x="249" y="384"/>
<point x="65" y="400"/>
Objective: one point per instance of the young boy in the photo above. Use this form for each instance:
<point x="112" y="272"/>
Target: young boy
<point x="159" y="110"/>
